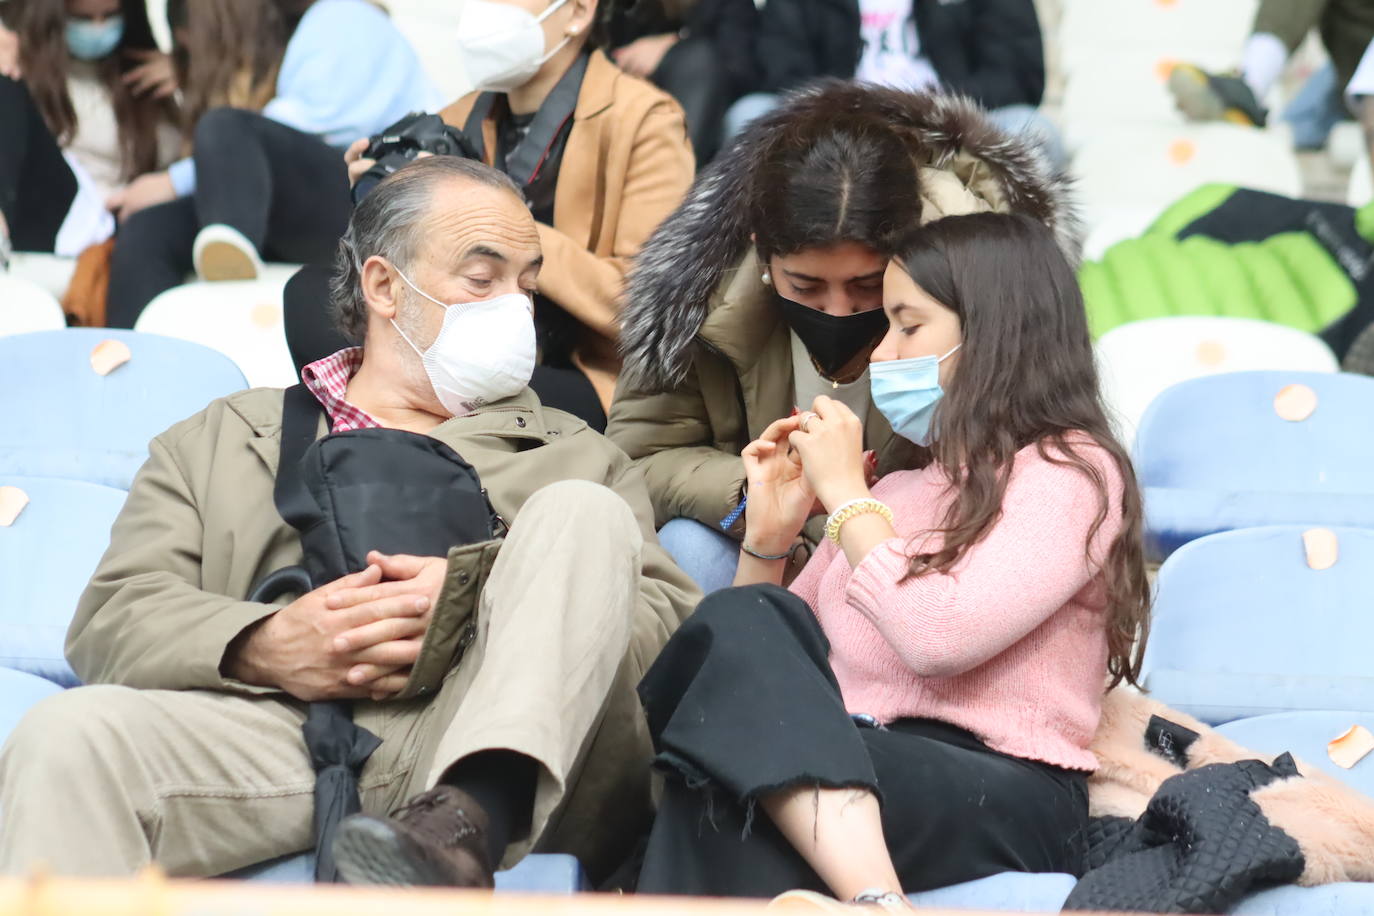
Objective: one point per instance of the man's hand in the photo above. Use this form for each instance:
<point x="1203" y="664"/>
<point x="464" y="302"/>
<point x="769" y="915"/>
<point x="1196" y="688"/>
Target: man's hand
<point x="361" y="648"/>
<point x="643" y="56"/>
<point x="356" y="162"/>
<point x="155" y="75"/>
<point x="143" y="192"/>
<point x="9" y="55"/>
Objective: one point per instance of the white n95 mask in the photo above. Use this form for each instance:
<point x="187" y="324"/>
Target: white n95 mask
<point x="502" y="46"/>
<point x="484" y="352"/>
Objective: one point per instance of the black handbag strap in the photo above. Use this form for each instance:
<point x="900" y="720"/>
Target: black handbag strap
<point x="300" y="426"/>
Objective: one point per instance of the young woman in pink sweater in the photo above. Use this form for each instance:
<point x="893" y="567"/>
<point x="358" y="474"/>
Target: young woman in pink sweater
<point x="916" y="710"/>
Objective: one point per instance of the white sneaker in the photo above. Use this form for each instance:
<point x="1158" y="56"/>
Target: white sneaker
<point x="223" y="253"/>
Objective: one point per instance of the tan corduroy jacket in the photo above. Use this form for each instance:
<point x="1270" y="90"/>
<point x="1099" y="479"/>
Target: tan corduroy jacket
<point x="200" y="529"/>
<point x="627" y="164"/>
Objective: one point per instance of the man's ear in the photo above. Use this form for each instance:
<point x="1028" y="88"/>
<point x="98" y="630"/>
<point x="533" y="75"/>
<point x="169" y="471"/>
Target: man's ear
<point x="381" y="287"/>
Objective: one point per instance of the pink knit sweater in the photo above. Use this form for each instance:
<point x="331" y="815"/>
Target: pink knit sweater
<point x="1011" y="644"/>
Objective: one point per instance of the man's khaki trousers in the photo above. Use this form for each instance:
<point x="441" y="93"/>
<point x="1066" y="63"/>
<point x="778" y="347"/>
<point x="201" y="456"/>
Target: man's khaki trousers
<point x="104" y="780"/>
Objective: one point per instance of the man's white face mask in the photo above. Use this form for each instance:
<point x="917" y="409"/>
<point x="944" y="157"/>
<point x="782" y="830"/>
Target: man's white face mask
<point x="502" y="46"/>
<point x="485" y="350"/>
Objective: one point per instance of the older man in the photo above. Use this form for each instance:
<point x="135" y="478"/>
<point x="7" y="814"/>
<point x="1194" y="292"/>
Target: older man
<point x="189" y="751"/>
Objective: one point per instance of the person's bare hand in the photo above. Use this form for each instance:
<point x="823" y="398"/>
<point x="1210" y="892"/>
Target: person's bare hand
<point x="379" y="643"/>
<point x="155" y="75"/>
<point x="356" y="162"/>
<point x="643" y="56"/>
<point x="830" y="442"/>
<point x="298" y="649"/>
<point x="780" y="496"/>
<point x="143" y="192"/>
<point x="9" y="55"/>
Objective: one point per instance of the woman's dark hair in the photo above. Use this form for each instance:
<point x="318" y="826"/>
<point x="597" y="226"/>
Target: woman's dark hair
<point x="41" y="26"/>
<point x="229" y="51"/>
<point x="1026" y="375"/>
<point x="834" y="176"/>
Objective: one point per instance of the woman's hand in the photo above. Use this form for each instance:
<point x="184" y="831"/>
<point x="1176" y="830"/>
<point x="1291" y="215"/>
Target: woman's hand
<point x="155" y="74"/>
<point x="780" y="498"/>
<point x="643" y="56"/>
<point x="357" y="164"/>
<point x="830" y="441"/>
<point x="143" y="192"/>
<point x="9" y="55"/>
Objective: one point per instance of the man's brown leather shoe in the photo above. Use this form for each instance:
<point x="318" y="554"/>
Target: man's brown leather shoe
<point x="438" y="838"/>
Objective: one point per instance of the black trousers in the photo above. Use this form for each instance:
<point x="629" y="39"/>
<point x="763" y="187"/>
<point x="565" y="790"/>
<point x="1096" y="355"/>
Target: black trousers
<point x="742" y="703"/>
<point x="311" y="334"/>
<point x="37" y="186"/>
<point x="285" y="190"/>
<point x="691" y="73"/>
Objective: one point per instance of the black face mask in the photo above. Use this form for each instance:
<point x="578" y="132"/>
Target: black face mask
<point x="832" y="340"/>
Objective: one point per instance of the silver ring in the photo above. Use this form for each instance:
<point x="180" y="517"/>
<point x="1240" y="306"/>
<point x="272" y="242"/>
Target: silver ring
<point x="806" y="420"/>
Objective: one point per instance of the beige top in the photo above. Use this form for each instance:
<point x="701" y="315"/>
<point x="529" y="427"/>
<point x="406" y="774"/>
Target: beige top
<point x="808" y="383"/>
<point x="95" y="144"/>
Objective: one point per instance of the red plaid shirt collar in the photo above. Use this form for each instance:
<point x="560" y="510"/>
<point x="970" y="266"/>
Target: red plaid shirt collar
<point x="328" y="380"/>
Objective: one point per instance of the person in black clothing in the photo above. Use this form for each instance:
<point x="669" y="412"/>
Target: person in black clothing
<point x="989" y="50"/>
<point x="701" y="52"/>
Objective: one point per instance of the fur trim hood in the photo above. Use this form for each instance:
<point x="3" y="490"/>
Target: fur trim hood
<point x="968" y="165"/>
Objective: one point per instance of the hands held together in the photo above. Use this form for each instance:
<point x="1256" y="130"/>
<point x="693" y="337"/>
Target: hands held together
<point x="355" y="638"/>
<point x="817" y="455"/>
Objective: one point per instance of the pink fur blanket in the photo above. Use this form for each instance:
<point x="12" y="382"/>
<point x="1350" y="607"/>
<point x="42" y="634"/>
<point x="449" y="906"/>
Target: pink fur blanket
<point x="1333" y="823"/>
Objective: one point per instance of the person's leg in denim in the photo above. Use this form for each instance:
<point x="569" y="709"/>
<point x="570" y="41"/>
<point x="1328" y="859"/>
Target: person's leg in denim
<point x="707" y="555"/>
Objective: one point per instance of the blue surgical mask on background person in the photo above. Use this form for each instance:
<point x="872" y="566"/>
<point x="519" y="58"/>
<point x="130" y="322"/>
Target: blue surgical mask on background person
<point x="906" y="392"/>
<point x="91" y="40"/>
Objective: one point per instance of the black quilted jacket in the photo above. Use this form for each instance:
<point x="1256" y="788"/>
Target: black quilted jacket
<point x="1201" y="846"/>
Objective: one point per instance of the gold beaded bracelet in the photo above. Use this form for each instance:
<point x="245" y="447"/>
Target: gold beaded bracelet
<point x="851" y="509"/>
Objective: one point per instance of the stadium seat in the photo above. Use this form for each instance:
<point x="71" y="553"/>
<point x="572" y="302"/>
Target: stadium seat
<point x="1243" y="626"/>
<point x="1140" y="359"/>
<point x="25" y="306"/>
<point x="18" y="693"/>
<point x="535" y="874"/>
<point x="1305" y="735"/>
<point x="1161" y="23"/>
<point x="62" y="419"/>
<point x="1217" y="453"/>
<point x="51" y="272"/>
<point x="1016" y="891"/>
<point x="242" y="320"/>
<point x="1135" y="166"/>
<point x="46" y="558"/>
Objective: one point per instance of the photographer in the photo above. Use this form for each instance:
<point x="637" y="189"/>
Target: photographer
<point x="273" y="89"/>
<point x="601" y="156"/>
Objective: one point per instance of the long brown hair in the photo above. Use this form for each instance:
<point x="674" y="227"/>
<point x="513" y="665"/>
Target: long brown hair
<point x="41" y="27"/>
<point x="229" y="51"/>
<point x="1026" y="375"/>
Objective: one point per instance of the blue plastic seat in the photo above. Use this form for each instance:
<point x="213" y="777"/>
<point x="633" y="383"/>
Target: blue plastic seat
<point x="1214" y="455"/>
<point x="1306" y="734"/>
<point x="1244" y="627"/>
<point x="536" y="874"/>
<point x="18" y="694"/>
<point x="46" y="558"/>
<point x="61" y="419"/>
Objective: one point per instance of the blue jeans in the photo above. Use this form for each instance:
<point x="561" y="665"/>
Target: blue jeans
<point x="1318" y="107"/>
<point x="706" y="554"/>
<point x="1014" y="119"/>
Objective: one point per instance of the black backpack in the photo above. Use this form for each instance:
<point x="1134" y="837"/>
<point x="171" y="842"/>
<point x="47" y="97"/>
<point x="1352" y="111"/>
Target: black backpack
<point x="348" y="493"/>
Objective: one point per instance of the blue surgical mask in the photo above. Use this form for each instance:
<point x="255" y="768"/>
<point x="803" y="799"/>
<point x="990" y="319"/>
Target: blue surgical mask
<point x="906" y="392"/>
<point x="90" y="40"/>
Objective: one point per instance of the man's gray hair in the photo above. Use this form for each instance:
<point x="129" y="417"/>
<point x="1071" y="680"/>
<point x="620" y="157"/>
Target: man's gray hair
<point x="390" y="222"/>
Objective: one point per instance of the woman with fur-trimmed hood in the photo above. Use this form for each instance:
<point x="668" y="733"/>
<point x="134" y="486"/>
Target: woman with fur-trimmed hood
<point x="764" y="289"/>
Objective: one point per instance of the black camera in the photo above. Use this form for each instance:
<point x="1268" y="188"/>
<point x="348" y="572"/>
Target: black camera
<point x="403" y="141"/>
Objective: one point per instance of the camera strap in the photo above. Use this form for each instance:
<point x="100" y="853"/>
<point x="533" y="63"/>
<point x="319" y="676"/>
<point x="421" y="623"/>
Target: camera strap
<point x="524" y="162"/>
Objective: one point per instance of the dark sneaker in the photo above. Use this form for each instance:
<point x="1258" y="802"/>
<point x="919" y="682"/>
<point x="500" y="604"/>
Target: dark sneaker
<point x="438" y="839"/>
<point x="1203" y="96"/>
